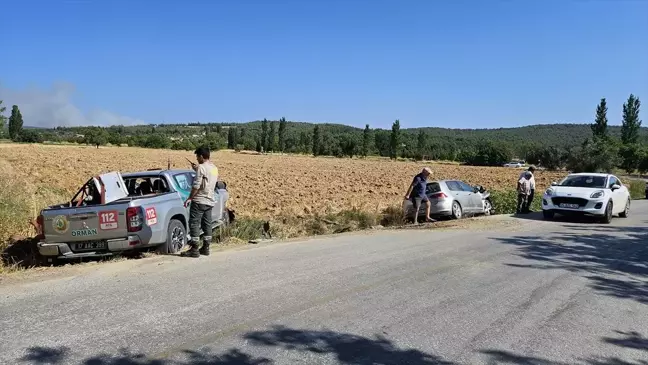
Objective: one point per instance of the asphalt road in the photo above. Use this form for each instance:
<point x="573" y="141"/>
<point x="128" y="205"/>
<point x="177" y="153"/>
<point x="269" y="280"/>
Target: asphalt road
<point x="525" y="292"/>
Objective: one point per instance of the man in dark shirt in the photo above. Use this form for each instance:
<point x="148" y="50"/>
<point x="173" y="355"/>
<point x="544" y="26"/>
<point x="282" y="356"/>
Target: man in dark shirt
<point x="416" y="193"/>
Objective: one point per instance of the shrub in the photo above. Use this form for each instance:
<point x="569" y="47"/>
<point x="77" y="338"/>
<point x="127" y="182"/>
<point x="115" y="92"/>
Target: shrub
<point x="637" y="189"/>
<point x="505" y="201"/>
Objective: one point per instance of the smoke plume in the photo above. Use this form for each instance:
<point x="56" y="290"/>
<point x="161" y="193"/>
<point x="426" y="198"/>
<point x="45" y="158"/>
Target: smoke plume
<point x="53" y="107"/>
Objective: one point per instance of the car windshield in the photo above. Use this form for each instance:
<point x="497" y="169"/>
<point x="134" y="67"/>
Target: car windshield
<point x="584" y="181"/>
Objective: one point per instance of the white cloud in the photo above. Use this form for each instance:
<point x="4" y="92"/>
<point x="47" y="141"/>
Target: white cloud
<point x="54" y="107"/>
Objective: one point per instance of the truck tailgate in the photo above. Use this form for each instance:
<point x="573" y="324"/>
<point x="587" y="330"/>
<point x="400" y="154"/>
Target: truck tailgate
<point x="80" y="224"/>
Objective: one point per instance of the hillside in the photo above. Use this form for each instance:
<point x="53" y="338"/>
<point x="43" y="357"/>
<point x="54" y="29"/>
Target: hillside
<point x="336" y="139"/>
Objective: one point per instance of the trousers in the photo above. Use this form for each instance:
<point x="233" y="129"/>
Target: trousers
<point x="200" y="217"/>
<point x="522" y="205"/>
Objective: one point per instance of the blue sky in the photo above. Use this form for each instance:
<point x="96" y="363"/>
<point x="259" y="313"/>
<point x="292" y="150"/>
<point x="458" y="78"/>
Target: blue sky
<point x="459" y="63"/>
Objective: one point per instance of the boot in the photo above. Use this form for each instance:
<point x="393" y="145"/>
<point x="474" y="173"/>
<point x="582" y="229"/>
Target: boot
<point x="191" y="252"/>
<point x="204" y="250"/>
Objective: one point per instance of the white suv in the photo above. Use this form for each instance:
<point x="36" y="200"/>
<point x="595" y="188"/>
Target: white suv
<point x="599" y="195"/>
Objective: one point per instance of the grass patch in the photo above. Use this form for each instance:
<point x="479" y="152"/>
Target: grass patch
<point x="637" y="189"/>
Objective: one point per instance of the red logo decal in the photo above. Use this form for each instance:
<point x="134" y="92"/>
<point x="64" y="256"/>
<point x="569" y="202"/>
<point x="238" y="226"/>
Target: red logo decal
<point x="151" y="216"/>
<point x="108" y="220"/>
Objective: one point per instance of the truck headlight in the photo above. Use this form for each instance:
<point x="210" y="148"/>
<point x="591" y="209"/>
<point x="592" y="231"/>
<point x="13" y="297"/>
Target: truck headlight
<point x="549" y="192"/>
<point x="597" y="194"/>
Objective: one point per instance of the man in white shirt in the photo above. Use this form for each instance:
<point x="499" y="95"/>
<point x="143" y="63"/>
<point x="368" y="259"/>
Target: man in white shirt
<point x="531" y="170"/>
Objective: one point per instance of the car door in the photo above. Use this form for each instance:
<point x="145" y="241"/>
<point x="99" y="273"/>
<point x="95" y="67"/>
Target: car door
<point x="619" y="196"/>
<point x="473" y="198"/>
<point x="460" y="195"/>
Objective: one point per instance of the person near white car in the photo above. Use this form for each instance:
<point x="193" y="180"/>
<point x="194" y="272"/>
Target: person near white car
<point x="531" y="195"/>
<point x="589" y="194"/>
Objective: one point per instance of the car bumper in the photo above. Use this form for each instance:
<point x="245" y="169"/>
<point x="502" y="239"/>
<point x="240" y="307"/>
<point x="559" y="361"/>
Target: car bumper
<point x="437" y="207"/>
<point x="593" y="207"/>
<point x="63" y="250"/>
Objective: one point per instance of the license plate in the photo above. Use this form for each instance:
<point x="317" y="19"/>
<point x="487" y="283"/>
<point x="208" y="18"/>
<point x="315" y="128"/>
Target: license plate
<point x="100" y="245"/>
<point x="570" y="206"/>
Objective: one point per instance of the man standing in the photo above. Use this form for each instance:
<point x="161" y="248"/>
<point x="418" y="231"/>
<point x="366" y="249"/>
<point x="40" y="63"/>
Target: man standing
<point x="416" y="193"/>
<point x="530" y="170"/>
<point x="523" y="189"/>
<point x="202" y="201"/>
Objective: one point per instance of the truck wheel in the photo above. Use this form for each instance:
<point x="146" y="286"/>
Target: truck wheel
<point x="176" y="238"/>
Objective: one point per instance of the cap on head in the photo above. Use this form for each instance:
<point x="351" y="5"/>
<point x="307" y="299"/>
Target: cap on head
<point x="532" y="168"/>
<point x="427" y="171"/>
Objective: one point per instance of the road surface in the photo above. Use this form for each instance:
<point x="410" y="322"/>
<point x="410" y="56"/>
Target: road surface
<point x="531" y="292"/>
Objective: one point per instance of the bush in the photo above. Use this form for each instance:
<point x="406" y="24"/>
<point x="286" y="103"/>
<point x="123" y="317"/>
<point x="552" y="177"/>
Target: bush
<point x="505" y="201"/>
<point x="637" y="189"/>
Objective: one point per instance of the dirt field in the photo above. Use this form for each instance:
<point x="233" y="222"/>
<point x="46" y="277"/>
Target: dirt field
<point x="262" y="186"/>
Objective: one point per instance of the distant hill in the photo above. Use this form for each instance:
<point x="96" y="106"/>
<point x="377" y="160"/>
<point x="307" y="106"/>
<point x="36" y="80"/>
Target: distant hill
<point x="339" y="140"/>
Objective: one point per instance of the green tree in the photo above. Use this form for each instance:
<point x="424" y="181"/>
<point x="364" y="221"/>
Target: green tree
<point x="232" y="138"/>
<point x="594" y="155"/>
<point x="272" y="138"/>
<point x="631" y="124"/>
<point x="394" y="140"/>
<point x="643" y="162"/>
<point x="631" y="155"/>
<point x="264" y="134"/>
<point x="3" y="119"/>
<point x="489" y="153"/>
<point x="96" y="137"/>
<point x="421" y="145"/>
<point x="366" y="140"/>
<point x="348" y="145"/>
<point x="30" y="136"/>
<point x="600" y="127"/>
<point x="317" y="141"/>
<point x="115" y="138"/>
<point x="15" y="123"/>
<point x="282" y="134"/>
<point x="183" y="145"/>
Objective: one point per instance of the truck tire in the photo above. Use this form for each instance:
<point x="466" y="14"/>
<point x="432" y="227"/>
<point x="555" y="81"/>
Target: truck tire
<point x="176" y="238"/>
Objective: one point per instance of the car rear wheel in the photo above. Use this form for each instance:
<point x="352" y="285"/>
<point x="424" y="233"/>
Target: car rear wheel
<point x="457" y="212"/>
<point x="176" y="238"/>
<point x="626" y="211"/>
<point x="607" y="218"/>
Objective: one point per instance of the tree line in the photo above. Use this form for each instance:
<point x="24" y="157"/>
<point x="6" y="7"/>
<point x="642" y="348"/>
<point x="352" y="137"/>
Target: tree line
<point x="572" y="146"/>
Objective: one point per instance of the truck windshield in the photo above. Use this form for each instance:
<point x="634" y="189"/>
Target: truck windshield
<point x="584" y="181"/>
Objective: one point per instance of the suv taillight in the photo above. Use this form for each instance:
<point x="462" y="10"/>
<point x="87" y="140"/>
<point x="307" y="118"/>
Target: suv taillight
<point x="134" y="219"/>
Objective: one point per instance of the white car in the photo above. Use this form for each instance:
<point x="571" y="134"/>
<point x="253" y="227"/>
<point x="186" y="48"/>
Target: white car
<point x="599" y="195"/>
<point x="516" y="164"/>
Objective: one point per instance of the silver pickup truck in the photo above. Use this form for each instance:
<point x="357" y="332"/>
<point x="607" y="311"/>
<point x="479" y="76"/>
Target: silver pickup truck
<point x="113" y="213"/>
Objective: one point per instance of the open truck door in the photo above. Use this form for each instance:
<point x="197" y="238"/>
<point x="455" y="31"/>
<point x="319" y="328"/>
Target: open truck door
<point x="101" y="189"/>
<point x="112" y="187"/>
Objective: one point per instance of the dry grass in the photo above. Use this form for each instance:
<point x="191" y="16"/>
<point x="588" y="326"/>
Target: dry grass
<point x="282" y="188"/>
